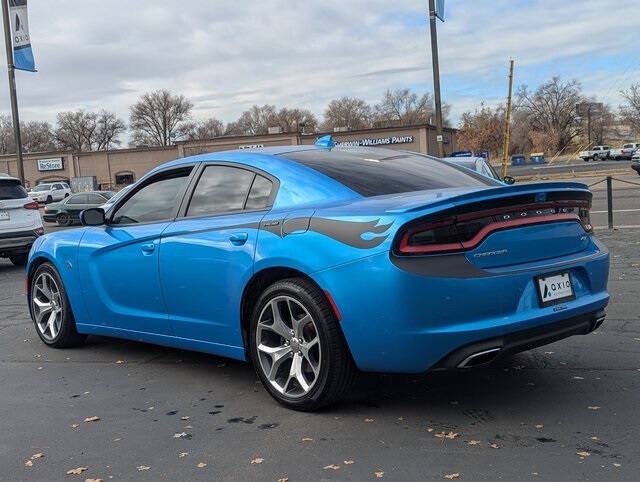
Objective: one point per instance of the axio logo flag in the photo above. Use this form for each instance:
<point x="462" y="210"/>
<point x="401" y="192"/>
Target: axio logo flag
<point x="440" y="9"/>
<point x="22" y="53"/>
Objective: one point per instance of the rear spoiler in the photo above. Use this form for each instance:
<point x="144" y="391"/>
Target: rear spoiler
<point x="540" y="191"/>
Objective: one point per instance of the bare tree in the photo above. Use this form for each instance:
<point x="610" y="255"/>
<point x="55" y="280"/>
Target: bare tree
<point x="402" y="107"/>
<point x="348" y="112"/>
<point x="630" y="110"/>
<point x="7" y="139"/>
<point x="37" y="136"/>
<point x="109" y="128"/>
<point x="207" y="129"/>
<point x="482" y="129"/>
<point x="296" y="120"/>
<point x="88" y="131"/>
<point x="76" y="130"/>
<point x="255" y="121"/>
<point x="160" y="118"/>
<point x="551" y="109"/>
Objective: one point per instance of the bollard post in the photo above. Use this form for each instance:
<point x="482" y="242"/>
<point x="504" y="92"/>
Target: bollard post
<point x="609" y="202"/>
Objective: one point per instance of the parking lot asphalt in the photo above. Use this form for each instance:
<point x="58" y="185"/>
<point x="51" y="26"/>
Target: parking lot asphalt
<point x="567" y="411"/>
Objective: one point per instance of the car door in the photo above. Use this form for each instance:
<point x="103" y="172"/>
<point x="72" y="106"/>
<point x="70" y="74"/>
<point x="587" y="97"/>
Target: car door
<point x="57" y="192"/>
<point x="118" y="262"/>
<point x="75" y="205"/>
<point x="207" y="254"/>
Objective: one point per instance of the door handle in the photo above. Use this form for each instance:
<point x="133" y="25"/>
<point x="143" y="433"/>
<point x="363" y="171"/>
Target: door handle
<point x="148" y="248"/>
<point x="238" y="239"/>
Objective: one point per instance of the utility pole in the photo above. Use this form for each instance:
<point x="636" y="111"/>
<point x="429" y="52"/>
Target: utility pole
<point x="12" y="88"/>
<point x="507" y="130"/>
<point x="589" y="124"/>
<point x="436" y="76"/>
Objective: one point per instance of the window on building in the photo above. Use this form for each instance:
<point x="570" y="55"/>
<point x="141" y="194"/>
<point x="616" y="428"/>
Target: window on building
<point x="124" y="178"/>
<point x="221" y="189"/>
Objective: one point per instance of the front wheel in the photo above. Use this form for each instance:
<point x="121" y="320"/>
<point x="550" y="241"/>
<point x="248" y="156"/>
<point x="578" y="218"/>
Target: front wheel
<point x="297" y="347"/>
<point x="50" y="309"/>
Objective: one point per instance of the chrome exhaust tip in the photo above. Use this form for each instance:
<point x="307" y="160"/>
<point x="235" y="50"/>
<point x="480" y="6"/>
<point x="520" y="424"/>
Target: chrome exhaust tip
<point x="480" y="358"/>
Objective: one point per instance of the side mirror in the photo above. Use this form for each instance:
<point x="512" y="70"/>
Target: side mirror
<point x="509" y="180"/>
<point x="92" y="217"/>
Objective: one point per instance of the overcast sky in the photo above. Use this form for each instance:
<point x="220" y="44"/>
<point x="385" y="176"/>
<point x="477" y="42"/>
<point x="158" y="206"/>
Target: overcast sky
<point x="228" y="55"/>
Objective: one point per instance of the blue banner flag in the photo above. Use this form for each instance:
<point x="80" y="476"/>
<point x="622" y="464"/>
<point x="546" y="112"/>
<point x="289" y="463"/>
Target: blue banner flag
<point x="22" y="53"/>
<point x="439" y="9"/>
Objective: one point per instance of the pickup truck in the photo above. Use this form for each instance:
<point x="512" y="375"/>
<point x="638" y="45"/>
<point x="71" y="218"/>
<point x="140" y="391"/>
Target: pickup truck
<point x="625" y="152"/>
<point x="598" y="153"/>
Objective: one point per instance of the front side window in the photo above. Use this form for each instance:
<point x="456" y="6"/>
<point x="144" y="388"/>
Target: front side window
<point x="221" y="189"/>
<point x="156" y="201"/>
<point x="95" y="199"/>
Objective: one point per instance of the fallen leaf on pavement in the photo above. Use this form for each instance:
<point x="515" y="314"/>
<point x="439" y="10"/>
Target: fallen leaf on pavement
<point x="494" y="446"/>
<point x="28" y="463"/>
<point x="37" y="456"/>
<point x="380" y="474"/>
<point x="615" y="464"/>
<point x="452" y="476"/>
<point x="429" y="430"/>
<point x="201" y="465"/>
<point x="142" y="468"/>
<point x="184" y="418"/>
<point x="119" y="362"/>
<point x="93" y="480"/>
<point x="184" y="435"/>
<point x="284" y="479"/>
<point x="75" y="425"/>
<point x="539" y="425"/>
<point x="92" y="419"/>
<point x="369" y="420"/>
<point x="348" y="462"/>
<point x="257" y="460"/>
<point x="594" y="408"/>
<point x="307" y="439"/>
<point x="582" y="453"/>
<point x="331" y="467"/>
<point x="473" y="442"/>
<point x="76" y="471"/>
<point x="183" y="454"/>
<point x="449" y="435"/>
<point x="595" y="438"/>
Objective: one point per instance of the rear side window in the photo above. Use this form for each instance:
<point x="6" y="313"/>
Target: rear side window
<point x="11" y="189"/>
<point x="78" y="199"/>
<point x="221" y="189"/>
<point x="260" y="194"/>
<point x="377" y="172"/>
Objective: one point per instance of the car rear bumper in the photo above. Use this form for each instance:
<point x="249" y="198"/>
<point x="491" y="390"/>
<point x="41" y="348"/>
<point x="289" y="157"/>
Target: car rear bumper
<point x="16" y="243"/>
<point x="489" y="351"/>
<point x="400" y="322"/>
<point x="49" y="218"/>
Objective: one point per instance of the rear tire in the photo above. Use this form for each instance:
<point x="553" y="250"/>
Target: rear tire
<point x="19" y="259"/>
<point x="51" y="310"/>
<point x="63" y="219"/>
<point x="309" y="345"/>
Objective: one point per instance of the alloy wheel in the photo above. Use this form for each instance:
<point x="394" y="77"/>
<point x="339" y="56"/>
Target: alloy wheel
<point x="47" y="306"/>
<point x="288" y="345"/>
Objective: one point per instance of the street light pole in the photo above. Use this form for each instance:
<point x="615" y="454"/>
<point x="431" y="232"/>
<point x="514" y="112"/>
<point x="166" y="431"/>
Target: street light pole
<point x="12" y="88"/>
<point x="436" y="76"/>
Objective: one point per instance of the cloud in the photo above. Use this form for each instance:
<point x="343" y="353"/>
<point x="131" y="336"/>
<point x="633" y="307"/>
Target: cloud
<point x="227" y="55"/>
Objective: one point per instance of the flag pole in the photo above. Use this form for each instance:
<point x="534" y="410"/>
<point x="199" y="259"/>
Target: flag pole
<point x="12" y="88"/>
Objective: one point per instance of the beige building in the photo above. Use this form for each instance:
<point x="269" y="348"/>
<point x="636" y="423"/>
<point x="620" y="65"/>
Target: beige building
<point x="116" y="168"/>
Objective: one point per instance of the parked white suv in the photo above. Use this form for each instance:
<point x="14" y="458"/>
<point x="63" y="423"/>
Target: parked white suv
<point x="50" y="192"/>
<point x="20" y="222"/>
<point x="598" y="153"/>
<point x="625" y="152"/>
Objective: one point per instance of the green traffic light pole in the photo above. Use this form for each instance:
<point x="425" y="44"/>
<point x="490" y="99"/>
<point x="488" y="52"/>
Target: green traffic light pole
<point x="12" y="88"/>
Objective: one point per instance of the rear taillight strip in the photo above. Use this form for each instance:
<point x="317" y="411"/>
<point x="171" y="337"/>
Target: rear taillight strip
<point x="405" y="248"/>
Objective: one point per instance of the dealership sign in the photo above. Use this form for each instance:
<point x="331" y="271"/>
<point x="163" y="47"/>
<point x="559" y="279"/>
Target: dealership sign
<point x="382" y="141"/>
<point x="54" y="164"/>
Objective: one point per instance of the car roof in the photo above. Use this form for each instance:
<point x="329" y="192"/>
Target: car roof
<point x="7" y="176"/>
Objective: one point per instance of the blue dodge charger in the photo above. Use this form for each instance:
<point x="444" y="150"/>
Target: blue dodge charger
<point x="315" y="262"/>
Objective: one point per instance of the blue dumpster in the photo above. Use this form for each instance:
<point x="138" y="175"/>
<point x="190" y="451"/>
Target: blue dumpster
<point x="518" y="160"/>
<point x="537" y="158"/>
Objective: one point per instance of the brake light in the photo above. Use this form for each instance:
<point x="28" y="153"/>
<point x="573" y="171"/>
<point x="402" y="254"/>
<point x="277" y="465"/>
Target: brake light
<point x="31" y="205"/>
<point x="466" y="231"/>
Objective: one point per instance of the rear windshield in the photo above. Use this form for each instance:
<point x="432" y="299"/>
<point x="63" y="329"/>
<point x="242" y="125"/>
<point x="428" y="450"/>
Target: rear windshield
<point x="11" y="189"/>
<point x="376" y="172"/>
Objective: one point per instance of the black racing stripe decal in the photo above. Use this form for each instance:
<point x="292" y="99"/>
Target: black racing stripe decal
<point x="350" y="232"/>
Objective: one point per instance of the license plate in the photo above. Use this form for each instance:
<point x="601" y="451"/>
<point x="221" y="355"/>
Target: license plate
<point x="555" y="288"/>
<point x="4" y="216"/>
